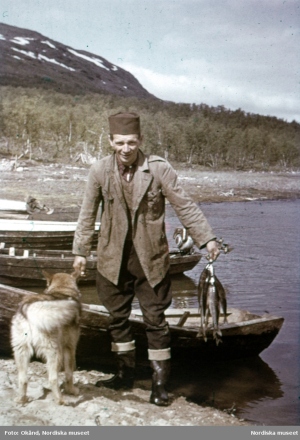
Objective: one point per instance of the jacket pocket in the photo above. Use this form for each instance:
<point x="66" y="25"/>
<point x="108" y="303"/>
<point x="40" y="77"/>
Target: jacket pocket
<point x="154" y="203"/>
<point x="158" y="240"/>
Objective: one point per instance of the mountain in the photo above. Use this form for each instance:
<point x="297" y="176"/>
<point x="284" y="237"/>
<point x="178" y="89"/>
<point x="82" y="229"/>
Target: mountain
<point x="30" y="59"/>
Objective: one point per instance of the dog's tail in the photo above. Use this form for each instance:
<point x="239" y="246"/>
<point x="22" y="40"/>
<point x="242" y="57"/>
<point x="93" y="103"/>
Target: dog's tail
<point x="47" y="316"/>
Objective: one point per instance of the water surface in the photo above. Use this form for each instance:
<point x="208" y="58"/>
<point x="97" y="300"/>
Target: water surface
<point x="261" y="275"/>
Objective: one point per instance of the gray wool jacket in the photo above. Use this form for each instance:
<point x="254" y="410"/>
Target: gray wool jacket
<point x="154" y="181"/>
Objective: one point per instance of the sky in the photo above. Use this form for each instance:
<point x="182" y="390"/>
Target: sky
<point x="232" y="53"/>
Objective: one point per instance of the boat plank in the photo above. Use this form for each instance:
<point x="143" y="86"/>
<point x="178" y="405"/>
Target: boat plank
<point x="19" y="270"/>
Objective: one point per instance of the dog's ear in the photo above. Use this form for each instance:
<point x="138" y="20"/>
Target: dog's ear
<point x="48" y="276"/>
<point x="76" y="274"/>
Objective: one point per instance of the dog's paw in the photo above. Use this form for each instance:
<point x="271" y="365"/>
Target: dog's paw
<point x="65" y="402"/>
<point x="71" y="389"/>
<point x="22" y="400"/>
<point x="74" y="391"/>
<point x="61" y="401"/>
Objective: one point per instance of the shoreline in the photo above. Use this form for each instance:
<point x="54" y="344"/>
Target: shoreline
<point x="240" y="186"/>
<point x="62" y="186"/>
<point x="98" y="406"/>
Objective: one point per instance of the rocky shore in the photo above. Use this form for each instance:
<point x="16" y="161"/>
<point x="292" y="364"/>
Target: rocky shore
<point x="97" y="406"/>
<point x="62" y="186"/>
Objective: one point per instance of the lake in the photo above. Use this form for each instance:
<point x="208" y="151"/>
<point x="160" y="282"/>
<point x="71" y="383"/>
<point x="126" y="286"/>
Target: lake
<point x="261" y="275"/>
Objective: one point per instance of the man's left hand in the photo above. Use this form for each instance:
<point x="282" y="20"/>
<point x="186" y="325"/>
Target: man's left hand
<point x="213" y="250"/>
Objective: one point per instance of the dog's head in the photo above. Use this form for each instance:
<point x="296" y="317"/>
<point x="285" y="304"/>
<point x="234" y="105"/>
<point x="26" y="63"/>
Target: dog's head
<point x="63" y="283"/>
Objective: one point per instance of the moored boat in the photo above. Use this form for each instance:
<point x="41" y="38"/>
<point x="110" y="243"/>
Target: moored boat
<point x="14" y="209"/>
<point x="23" y="267"/>
<point x="245" y="335"/>
<point x="40" y="234"/>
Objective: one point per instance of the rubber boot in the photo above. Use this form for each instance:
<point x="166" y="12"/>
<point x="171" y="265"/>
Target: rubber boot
<point x="161" y="373"/>
<point x="124" y="377"/>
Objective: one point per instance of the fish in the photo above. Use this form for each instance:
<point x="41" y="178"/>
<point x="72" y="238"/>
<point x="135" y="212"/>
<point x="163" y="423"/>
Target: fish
<point x="212" y="299"/>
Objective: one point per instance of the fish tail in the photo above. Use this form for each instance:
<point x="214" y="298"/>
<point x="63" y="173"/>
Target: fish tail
<point x="218" y="340"/>
<point x="202" y="334"/>
<point x="217" y="335"/>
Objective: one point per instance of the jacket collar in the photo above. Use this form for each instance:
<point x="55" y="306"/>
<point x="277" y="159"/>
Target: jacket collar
<point x="142" y="162"/>
<point x="142" y="179"/>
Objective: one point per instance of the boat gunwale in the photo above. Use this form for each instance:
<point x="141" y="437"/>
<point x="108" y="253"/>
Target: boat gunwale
<point x="136" y="316"/>
<point x="99" y="309"/>
<point x="53" y="253"/>
<point x="38" y="226"/>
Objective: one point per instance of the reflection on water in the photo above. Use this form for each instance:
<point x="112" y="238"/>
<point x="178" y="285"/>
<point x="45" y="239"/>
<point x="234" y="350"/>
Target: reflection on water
<point x="228" y="385"/>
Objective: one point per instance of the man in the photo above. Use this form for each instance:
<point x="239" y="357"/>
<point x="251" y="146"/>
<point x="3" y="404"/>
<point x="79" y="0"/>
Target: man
<point x="133" y="254"/>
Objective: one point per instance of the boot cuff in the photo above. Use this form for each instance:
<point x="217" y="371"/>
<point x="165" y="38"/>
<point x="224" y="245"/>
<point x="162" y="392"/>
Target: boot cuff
<point x="159" y="355"/>
<point x="122" y="346"/>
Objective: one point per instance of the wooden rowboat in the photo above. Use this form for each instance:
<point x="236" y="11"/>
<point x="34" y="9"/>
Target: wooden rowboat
<point x="40" y="234"/>
<point x="24" y="267"/>
<point x="245" y="334"/>
<point x="13" y="209"/>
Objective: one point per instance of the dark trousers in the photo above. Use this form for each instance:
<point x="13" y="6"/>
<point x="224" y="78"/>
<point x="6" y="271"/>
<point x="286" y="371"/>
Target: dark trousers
<point x="153" y="302"/>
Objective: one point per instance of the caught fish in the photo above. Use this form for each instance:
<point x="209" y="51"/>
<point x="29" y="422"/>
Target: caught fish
<point x="212" y="298"/>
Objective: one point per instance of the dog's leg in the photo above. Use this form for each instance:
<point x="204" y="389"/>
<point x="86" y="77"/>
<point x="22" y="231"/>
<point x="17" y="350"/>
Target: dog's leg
<point x="69" y="360"/>
<point x="53" y="366"/>
<point x="22" y="358"/>
<point x="69" y="364"/>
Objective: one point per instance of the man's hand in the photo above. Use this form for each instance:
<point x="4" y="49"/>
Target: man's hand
<point x="79" y="264"/>
<point x="213" y="249"/>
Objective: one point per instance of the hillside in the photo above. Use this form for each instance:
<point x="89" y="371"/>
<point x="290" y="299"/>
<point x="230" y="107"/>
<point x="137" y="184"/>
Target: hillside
<point x="55" y="101"/>
<point x="29" y="59"/>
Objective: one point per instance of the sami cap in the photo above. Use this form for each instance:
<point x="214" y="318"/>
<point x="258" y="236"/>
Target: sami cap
<point x="124" y="123"/>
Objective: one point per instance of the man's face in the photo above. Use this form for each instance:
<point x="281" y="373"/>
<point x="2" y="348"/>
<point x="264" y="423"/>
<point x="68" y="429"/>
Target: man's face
<point x="126" y="147"/>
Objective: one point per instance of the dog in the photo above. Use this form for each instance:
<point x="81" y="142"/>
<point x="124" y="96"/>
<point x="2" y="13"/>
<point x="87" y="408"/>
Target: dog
<point x="47" y="325"/>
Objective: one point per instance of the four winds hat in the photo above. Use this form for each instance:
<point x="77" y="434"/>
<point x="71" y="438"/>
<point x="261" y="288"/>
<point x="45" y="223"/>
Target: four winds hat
<point x="124" y="123"/>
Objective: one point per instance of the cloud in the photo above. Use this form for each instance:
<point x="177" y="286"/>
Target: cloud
<point x="240" y="54"/>
<point x="215" y="90"/>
